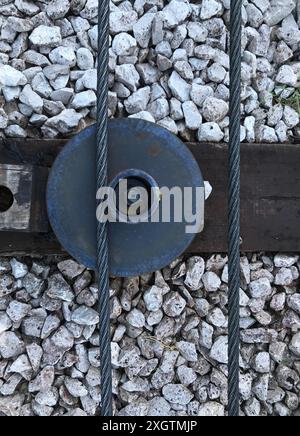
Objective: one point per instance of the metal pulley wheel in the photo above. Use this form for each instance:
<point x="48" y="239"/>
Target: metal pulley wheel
<point x="146" y="156"/>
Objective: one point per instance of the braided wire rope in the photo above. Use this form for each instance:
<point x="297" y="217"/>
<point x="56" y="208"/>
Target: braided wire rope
<point x="234" y="208"/>
<point x="102" y="239"/>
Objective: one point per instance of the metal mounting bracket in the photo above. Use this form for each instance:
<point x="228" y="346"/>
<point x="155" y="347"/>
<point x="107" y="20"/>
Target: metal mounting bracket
<point x="22" y="200"/>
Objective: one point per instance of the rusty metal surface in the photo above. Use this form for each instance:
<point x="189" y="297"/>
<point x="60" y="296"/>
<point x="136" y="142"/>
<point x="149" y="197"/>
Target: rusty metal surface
<point x="71" y="196"/>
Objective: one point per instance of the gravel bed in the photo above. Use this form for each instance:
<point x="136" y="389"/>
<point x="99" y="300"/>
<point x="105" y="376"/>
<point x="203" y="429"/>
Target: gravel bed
<point x="168" y="64"/>
<point x="169" y="338"/>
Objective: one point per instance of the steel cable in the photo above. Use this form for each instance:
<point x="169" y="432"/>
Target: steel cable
<point x="234" y="208"/>
<point x="102" y="240"/>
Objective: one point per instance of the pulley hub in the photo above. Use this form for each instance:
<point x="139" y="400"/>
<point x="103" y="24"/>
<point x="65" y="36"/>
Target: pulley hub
<point x="148" y="232"/>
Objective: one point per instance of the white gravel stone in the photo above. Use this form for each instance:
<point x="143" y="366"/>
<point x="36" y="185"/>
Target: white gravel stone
<point x="184" y="69"/>
<point x="262" y="362"/>
<point x="142" y="30"/>
<point x="284" y="277"/>
<point x="210" y="8"/>
<point x="186" y="375"/>
<point x="214" y="109"/>
<point x="11" y="345"/>
<point x="63" y="56"/>
<point x="128" y="75"/>
<point x="278" y="302"/>
<point x="11" y="77"/>
<point x="295" y="344"/>
<point x="19" y="269"/>
<point x="177" y="394"/>
<point x="66" y="122"/>
<point x="85" y="59"/>
<point x="143" y="115"/>
<point x="20" y="365"/>
<point x="5" y="322"/>
<point x="286" y="76"/>
<point x="138" y="101"/>
<point x="175" y="13"/>
<point x="216" y="73"/>
<point x="294" y="302"/>
<point x="31" y="99"/>
<point x="219" y="350"/>
<point x="174" y="305"/>
<point x="211" y="409"/>
<point x="279" y="10"/>
<point x="124" y="44"/>
<point x="58" y="288"/>
<point x="284" y="260"/>
<point x="75" y="387"/>
<point x="45" y="36"/>
<point x="58" y="9"/>
<point x="217" y="318"/>
<point x="260" y="288"/>
<point x="153" y="298"/>
<point x="17" y="311"/>
<point x="136" y="318"/>
<point x="206" y="332"/>
<point x="210" y="132"/>
<point x="85" y="316"/>
<point x="122" y="21"/>
<point x="179" y="88"/>
<point x="84" y="99"/>
<point x="290" y="117"/>
<point x="195" y="271"/>
<point x="197" y="31"/>
<point x="199" y="93"/>
<point x="192" y="115"/>
<point x="187" y="350"/>
<point x="211" y="281"/>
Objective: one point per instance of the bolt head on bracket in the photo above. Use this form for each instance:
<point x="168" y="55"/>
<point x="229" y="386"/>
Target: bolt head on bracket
<point x="144" y="154"/>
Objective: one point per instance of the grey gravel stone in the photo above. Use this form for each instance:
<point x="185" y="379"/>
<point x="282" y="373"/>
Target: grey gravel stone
<point x="5" y="322"/>
<point x="211" y="409"/>
<point x="58" y="288"/>
<point x="187" y="350"/>
<point x="260" y="288"/>
<point x="177" y="394"/>
<point x="11" y="345"/>
<point x="174" y="305"/>
<point x="153" y="298"/>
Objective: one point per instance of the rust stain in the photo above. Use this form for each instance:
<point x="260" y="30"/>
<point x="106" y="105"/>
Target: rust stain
<point x="155" y="150"/>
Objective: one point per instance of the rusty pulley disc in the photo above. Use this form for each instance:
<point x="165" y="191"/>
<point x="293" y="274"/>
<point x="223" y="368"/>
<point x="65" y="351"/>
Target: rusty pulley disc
<point x="145" y="155"/>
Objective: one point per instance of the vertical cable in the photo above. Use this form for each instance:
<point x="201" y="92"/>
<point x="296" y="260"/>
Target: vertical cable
<point x="102" y="242"/>
<point x="234" y="207"/>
